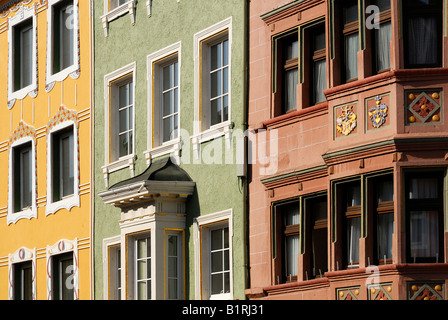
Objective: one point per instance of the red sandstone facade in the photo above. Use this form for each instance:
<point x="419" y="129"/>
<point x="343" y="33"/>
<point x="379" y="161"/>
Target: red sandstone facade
<point x="356" y="208"/>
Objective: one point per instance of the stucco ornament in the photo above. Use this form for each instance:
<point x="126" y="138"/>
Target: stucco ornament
<point x="346" y="121"/>
<point x="378" y="113"/>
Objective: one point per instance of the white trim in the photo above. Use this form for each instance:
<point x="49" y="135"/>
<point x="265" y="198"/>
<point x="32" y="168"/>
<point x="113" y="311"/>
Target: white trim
<point x="13" y="217"/>
<point x="212" y="132"/>
<point x="63" y="74"/>
<point x="24" y="13"/>
<point x="62" y="246"/>
<point x="70" y="201"/>
<point x="156" y="59"/>
<point x="21" y="255"/>
<point x="108" y="16"/>
<point x="201" y="276"/>
<point x="108" y="242"/>
<point x="128" y="160"/>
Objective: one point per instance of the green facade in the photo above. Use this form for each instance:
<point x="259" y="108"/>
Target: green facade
<point x="218" y="186"/>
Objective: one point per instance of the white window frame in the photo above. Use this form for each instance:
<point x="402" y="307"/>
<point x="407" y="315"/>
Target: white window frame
<point x="31" y="212"/>
<point x="23" y="14"/>
<point x="64" y="73"/>
<point x="180" y="234"/>
<point x="110" y="15"/>
<point x="126" y="161"/>
<point x="202" y="131"/>
<point x="201" y="230"/>
<point x="61" y="247"/>
<point x="155" y="62"/>
<point x="70" y="201"/>
<point x="110" y="246"/>
<point x="22" y="255"/>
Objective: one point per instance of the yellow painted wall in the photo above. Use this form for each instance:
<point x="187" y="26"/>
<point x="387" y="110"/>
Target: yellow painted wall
<point x="77" y="95"/>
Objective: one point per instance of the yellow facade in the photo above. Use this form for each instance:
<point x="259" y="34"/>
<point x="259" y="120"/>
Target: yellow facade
<point x="53" y="101"/>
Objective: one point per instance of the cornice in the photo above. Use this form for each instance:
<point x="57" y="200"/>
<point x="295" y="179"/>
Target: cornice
<point x="288" y="10"/>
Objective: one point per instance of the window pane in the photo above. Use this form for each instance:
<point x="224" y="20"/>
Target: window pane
<point x="123" y="96"/>
<point x="217" y="261"/>
<point x="216" y="56"/>
<point x="27" y="282"/>
<point x="176" y="100"/>
<point x="290" y="90"/>
<point x="168" y="79"/>
<point x="291" y="252"/>
<point x="141" y="269"/>
<point x="422" y="44"/>
<point x="167" y="129"/>
<point x="216" y="83"/>
<point x="385" y="229"/>
<point x="423" y="188"/>
<point x="217" y="283"/>
<point x="386" y="191"/>
<point x="67" y="283"/>
<point x="382" y="4"/>
<point x="216" y="239"/>
<point x="67" y="165"/>
<point x="320" y="80"/>
<point x="353" y="235"/>
<point x="26" y="56"/>
<point x="382" y="38"/>
<point x="172" y="289"/>
<point x="225" y="80"/>
<point x="141" y="290"/>
<point x="226" y="108"/>
<point x="351" y="56"/>
<point x="353" y="196"/>
<point x="350" y="11"/>
<point x="123" y="120"/>
<point x="225" y="52"/>
<point x="26" y="169"/>
<point x="216" y="111"/>
<point x="291" y="214"/>
<point x="424" y="234"/>
<point x="227" y="282"/>
<point x="123" y="145"/>
<point x="167" y="103"/>
<point x="67" y="35"/>
<point x="141" y="248"/>
<point x="291" y="49"/>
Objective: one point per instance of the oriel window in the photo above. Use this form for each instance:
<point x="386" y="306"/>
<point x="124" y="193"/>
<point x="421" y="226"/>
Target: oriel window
<point x="381" y="37"/>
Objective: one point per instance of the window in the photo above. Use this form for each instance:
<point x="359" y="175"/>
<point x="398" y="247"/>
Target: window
<point x="315" y="35"/>
<point x="174" y="269"/>
<point x="63" y="36"/>
<point x="23" y="179"/>
<point x="212" y="64"/>
<point x="316" y="235"/>
<point x="213" y="264"/>
<point x="350" y="35"/>
<point x="63" y="164"/>
<point x="170" y="102"/>
<point x="349" y="216"/>
<point x="422" y="26"/>
<point x="286" y="78"/>
<point x="381" y="37"/>
<point x="113" y="4"/>
<point x="142" y="271"/>
<point x="23" y="54"/>
<point x="424" y="217"/>
<point x="23" y="281"/>
<point x="121" y="116"/>
<point x="63" y="268"/>
<point x="384" y="218"/>
<point x="114" y="272"/>
<point x="287" y="241"/>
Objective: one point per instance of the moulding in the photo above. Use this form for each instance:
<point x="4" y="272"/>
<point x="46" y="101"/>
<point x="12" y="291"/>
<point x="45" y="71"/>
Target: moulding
<point x="127" y="7"/>
<point x="288" y="10"/>
<point x="22" y="254"/>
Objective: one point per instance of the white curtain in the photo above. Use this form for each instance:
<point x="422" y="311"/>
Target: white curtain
<point x="422" y="40"/>
<point x="320" y="78"/>
<point x="385" y="229"/>
<point x="351" y="56"/>
<point x="353" y="235"/>
<point x="292" y="250"/>
<point x="382" y="46"/>
<point x="424" y="234"/>
<point x="290" y="92"/>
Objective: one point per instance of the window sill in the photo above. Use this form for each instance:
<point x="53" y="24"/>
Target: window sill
<point x="21" y="94"/>
<point x="172" y="147"/>
<point x="29" y="213"/>
<point x="66" y="203"/>
<point x="216" y="131"/>
<point x="128" y="7"/>
<point x="72" y="71"/>
<point x="222" y="296"/>
<point x="124" y="162"/>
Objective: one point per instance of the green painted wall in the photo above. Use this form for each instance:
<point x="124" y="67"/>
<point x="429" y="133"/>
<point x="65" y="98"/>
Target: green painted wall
<point x="217" y="186"/>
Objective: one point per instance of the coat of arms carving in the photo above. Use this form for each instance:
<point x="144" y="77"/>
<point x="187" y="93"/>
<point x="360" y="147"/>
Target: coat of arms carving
<point x="346" y="122"/>
<point x="378" y="113"/>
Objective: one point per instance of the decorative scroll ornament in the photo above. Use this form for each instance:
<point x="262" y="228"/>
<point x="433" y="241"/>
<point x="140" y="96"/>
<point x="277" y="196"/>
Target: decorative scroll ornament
<point x="378" y="113"/>
<point x="346" y="121"/>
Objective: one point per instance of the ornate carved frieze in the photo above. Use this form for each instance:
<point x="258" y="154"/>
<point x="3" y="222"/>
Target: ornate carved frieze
<point x="423" y="106"/>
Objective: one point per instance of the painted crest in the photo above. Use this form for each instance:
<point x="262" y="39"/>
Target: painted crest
<point x="378" y="113"/>
<point x="346" y="121"/>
